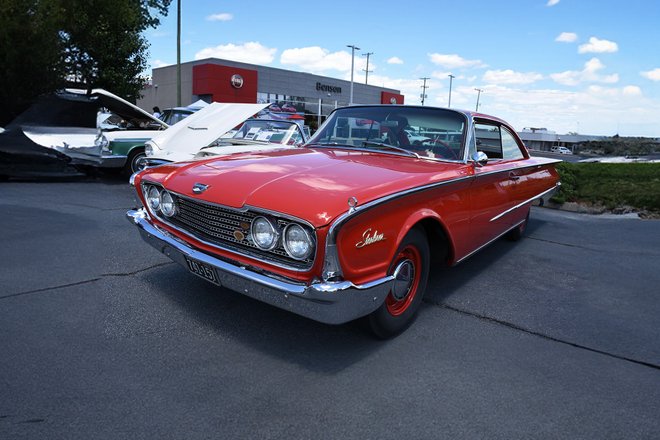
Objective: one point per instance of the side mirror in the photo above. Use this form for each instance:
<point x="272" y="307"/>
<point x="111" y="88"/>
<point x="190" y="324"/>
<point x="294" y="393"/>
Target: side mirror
<point x="479" y="158"/>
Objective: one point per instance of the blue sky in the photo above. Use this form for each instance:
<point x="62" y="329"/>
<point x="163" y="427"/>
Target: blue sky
<point x="585" y="66"/>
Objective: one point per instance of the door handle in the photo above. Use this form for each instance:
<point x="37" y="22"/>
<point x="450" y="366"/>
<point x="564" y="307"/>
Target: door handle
<point x="513" y="176"/>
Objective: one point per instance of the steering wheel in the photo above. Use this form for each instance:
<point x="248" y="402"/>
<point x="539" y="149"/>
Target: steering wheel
<point x="437" y="147"/>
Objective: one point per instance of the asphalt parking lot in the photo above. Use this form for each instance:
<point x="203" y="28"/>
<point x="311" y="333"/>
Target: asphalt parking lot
<point x="556" y="336"/>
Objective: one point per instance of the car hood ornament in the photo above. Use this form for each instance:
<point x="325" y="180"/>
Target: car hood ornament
<point x="199" y="188"/>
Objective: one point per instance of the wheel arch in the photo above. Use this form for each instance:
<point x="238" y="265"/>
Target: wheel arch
<point x="437" y="235"/>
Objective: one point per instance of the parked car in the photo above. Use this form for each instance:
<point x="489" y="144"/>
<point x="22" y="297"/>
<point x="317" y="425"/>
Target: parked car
<point x="171" y="116"/>
<point x="288" y="108"/>
<point x="560" y="150"/>
<point x="110" y="131"/>
<point x="221" y="129"/>
<point x="349" y="225"/>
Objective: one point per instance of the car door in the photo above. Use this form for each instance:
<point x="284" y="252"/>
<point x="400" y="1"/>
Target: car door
<point x="494" y="187"/>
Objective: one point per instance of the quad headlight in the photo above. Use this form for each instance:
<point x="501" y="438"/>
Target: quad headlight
<point x="167" y="206"/>
<point x="264" y="233"/>
<point x="297" y="242"/>
<point x="153" y="198"/>
<point x="295" y="239"/>
<point x="159" y="201"/>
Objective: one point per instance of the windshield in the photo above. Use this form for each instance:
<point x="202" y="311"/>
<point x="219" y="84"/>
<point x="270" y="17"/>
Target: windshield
<point x="266" y="131"/>
<point x="416" y="131"/>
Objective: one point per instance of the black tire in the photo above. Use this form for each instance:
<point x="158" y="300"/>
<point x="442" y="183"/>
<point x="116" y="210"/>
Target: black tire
<point x="518" y="232"/>
<point x="132" y="161"/>
<point x="400" y="307"/>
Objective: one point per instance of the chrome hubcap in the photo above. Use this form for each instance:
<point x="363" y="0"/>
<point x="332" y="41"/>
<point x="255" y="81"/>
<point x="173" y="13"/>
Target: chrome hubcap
<point x="404" y="274"/>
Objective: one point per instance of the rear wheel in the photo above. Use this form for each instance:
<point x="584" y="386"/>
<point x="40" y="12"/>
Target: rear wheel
<point x="410" y="268"/>
<point x="517" y="233"/>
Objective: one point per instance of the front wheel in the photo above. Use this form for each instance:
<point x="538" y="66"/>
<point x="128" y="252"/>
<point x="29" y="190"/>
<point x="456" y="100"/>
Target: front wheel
<point x="410" y="268"/>
<point x="134" y="160"/>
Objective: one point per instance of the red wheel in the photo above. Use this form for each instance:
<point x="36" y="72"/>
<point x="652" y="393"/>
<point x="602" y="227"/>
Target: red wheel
<point x="410" y="269"/>
<point x="406" y="282"/>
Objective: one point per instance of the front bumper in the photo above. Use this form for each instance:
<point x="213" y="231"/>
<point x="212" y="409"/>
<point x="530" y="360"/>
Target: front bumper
<point x="327" y="302"/>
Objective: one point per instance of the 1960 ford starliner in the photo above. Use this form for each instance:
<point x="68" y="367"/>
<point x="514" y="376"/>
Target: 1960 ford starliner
<point x="348" y="225"/>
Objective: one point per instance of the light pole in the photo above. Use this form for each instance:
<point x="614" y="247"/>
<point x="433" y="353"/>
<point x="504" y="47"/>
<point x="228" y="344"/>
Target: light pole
<point x="178" y="53"/>
<point x="478" y="95"/>
<point x="424" y="87"/>
<point x="353" y="49"/>
<point x="451" y="77"/>
<point x="366" y="71"/>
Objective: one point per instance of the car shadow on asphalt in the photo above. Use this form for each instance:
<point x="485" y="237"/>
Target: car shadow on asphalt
<point x="446" y="281"/>
<point x="325" y="349"/>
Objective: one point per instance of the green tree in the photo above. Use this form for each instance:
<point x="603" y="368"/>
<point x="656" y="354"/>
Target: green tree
<point x="103" y="44"/>
<point x="30" y="53"/>
<point x="47" y="44"/>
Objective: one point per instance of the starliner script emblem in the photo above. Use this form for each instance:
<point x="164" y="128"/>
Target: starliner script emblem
<point x="199" y="188"/>
<point x="369" y="238"/>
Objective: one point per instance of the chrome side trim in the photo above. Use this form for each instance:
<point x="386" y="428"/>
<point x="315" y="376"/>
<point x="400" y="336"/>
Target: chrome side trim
<point x="520" y="205"/>
<point x="331" y="266"/>
<point x="487" y="243"/>
<point x="328" y="302"/>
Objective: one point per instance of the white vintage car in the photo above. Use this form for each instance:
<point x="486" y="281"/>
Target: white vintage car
<point x="221" y="129"/>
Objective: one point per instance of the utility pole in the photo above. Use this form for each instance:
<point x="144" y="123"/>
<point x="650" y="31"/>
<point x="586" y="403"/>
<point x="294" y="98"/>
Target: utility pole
<point x="451" y="77"/>
<point x="478" y="95"/>
<point x="353" y="49"/>
<point x="366" y="71"/>
<point x="424" y="87"/>
<point x="178" y="53"/>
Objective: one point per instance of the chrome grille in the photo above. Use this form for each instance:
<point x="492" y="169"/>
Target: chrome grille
<point x="217" y="225"/>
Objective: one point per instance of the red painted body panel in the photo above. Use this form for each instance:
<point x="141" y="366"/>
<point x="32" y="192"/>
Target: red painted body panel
<point x="315" y="184"/>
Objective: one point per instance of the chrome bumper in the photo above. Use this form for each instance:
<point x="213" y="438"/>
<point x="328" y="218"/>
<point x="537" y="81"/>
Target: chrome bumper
<point x="328" y="302"/>
<point x="113" y="161"/>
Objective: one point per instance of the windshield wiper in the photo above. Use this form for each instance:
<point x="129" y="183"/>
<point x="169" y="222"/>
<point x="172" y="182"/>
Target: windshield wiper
<point x="329" y="144"/>
<point x="390" y="147"/>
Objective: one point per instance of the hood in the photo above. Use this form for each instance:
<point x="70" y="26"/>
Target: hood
<point x="185" y="138"/>
<point x="117" y="105"/>
<point x="311" y="184"/>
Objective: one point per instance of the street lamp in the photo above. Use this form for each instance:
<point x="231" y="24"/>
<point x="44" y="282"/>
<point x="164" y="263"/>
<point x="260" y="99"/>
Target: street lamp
<point x="353" y="49"/>
<point x="424" y="87"/>
<point x="451" y="77"/>
<point x="366" y="71"/>
<point x="478" y="95"/>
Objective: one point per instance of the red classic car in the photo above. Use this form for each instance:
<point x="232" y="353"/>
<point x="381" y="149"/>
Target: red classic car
<point x="347" y="226"/>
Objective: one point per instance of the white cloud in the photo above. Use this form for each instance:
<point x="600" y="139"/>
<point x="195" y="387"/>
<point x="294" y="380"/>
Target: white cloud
<point x="595" y="110"/>
<point x="251" y="52"/>
<point x="158" y="63"/>
<point x="453" y="61"/>
<point x="588" y="74"/>
<point x="632" y="91"/>
<point x="220" y="17"/>
<point x="552" y="2"/>
<point x="395" y="60"/>
<point x="596" y="45"/>
<point x="653" y="75"/>
<point x="316" y="59"/>
<point x="510" y="77"/>
<point x="567" y="37"/>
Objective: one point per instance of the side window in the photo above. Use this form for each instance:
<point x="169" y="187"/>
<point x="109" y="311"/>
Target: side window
<point x="489" y="140"/>
<point x="510" y="148"/>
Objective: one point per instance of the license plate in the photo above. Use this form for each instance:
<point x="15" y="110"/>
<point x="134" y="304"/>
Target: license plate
<point x="203" y="270"/>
